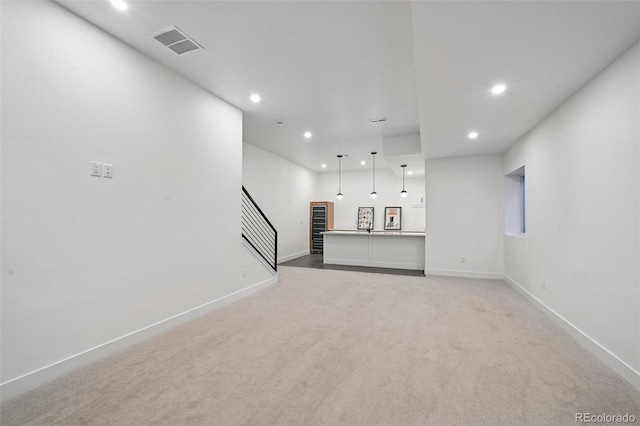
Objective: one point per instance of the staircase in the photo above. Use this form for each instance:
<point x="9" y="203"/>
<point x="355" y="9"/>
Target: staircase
<point x="258" y="231"/>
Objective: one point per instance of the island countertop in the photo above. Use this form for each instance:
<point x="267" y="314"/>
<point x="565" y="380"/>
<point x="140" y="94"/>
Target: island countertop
<point x="378" y="232"/>
<point x="383" y="249"/>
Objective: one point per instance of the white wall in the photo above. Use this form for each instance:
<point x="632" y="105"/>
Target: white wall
<point x="87" y="260"/>
<point x="283" y="191"/>
<point x="357" y="186"/>
<point x="580" y="257"/>
<point x="463" y="198"/>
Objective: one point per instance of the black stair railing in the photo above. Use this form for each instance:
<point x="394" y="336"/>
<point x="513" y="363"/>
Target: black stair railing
<point x="258" y="231"/>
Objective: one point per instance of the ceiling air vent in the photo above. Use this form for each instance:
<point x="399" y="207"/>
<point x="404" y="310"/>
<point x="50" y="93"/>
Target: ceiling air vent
<point x="377" y="120"/>
<point x="176" y="40"/>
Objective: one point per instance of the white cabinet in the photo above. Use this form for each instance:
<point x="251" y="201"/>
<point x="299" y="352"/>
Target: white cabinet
<point x="400" y="250"/>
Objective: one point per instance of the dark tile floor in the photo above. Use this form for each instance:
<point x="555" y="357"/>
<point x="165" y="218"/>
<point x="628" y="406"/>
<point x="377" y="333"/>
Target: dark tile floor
<point x="315" y="261"/>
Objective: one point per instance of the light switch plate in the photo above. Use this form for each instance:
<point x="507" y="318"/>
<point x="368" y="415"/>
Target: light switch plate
<point x="96" y="168"/>
<point x="108" y="171"/>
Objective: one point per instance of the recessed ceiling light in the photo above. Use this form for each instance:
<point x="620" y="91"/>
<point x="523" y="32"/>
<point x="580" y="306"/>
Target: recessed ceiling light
<point x="119" y="4"/>
<point x="255" y="98"/>
<point x="410" y="172"/>
<point x="472" y="135"/>
<point x="307" y="135"/>
<point x="324" y="166"/>
<point x="363" y="163"/>
<point x="498" y="89"/>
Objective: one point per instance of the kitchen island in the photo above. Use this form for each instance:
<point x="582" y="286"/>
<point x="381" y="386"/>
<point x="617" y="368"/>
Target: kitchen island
<point x="382" y="249"/>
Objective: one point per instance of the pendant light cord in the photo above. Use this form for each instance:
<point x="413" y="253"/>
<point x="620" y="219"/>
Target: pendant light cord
<point x="339" y="195"/>
<point x="373" y="154"/>
<point x="403" y="177"/>
<point x="340" y="174"/>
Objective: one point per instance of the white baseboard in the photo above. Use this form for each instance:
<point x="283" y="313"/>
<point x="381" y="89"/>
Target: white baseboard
<point x="616" y="364"/>
<point x="34" y="379"/>
<point x="292" y="256"/>
<point x="464" y="274"/>
<point x="346" y="262"/>
<point x="371" y="264"/>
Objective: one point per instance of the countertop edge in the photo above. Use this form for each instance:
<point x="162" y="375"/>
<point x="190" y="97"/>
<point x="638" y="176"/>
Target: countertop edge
<point x="375" y="233"/>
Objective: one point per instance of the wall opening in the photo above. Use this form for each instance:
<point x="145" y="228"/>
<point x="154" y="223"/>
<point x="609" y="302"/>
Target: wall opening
<point x="515" y="212"/>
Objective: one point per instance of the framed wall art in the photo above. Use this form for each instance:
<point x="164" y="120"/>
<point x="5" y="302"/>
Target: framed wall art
<point x="365" y="218"/>
<point x="392" y="218"/>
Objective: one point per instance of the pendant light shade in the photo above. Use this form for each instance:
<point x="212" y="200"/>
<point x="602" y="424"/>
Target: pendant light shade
<point x="374" y="194"/>
<point x="339" y="195"/>
<point x="403" y="193"/>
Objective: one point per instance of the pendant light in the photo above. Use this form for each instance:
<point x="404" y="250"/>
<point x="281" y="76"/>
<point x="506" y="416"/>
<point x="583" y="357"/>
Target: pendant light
<point x="374" y="194"/>
<point x="339" y="196"/>
<point x="403" y="193"/>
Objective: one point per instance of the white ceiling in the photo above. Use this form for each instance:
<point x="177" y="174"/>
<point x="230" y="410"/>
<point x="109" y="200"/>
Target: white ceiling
<point x="543" y="50"/>
<point x="426" y="66"/>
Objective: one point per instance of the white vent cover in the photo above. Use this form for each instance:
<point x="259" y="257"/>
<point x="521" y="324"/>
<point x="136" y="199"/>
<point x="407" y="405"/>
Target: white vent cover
<point x="176" y="40"/>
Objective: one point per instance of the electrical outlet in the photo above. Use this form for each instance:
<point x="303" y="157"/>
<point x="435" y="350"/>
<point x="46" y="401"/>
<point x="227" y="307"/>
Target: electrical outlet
<point x="544" y="284"/>
<point x="96" y="168"/>
<point x="463" y="260"/>
<point x="244" y="273"/>
<point x="108" y="171"/>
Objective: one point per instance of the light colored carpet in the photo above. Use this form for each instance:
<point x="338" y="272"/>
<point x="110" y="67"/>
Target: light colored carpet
<point x="330" y="347"/>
